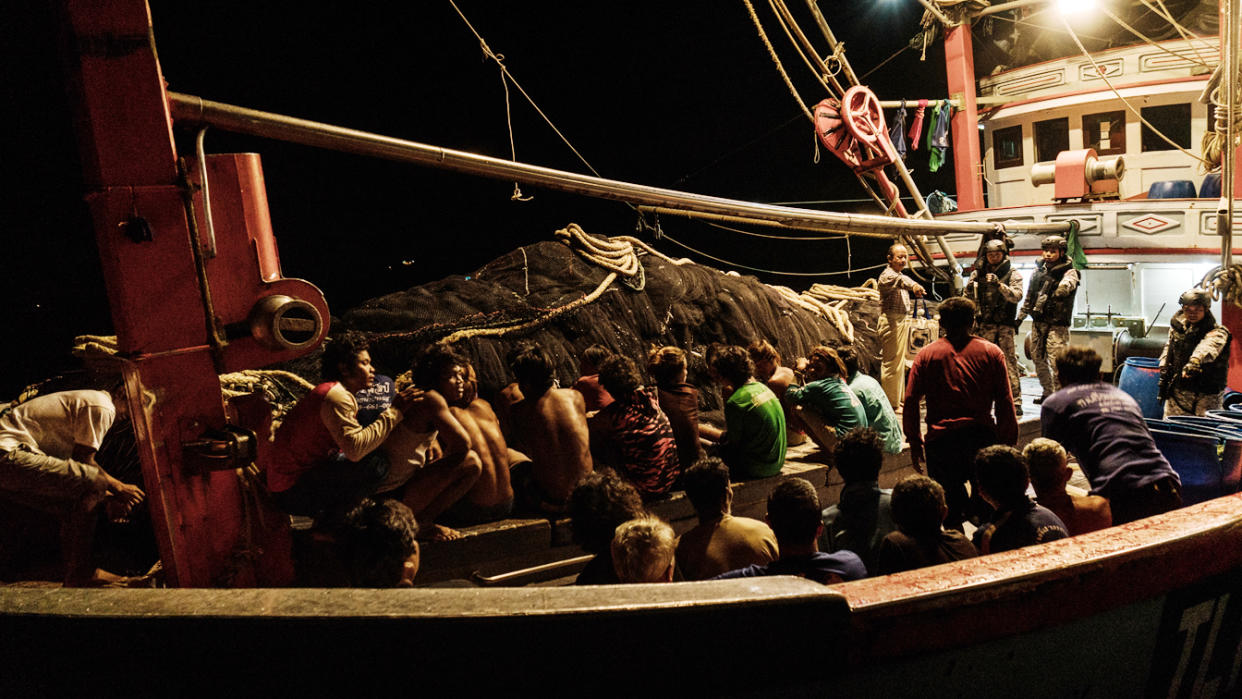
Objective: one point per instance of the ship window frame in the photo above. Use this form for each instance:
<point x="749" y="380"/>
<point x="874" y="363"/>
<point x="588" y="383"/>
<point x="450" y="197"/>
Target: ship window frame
<point x="1051" y="134"/>
<point x="1009" y="134"/>
<point x="1158" y="115"/>
<point x="1116" y="132"/>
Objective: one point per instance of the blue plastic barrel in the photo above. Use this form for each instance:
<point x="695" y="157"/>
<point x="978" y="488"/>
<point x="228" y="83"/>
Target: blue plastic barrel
<point x="1140" y="377"/>
<point x="1172" y="189"/>
<point x="1197" y="459"/>
<point x="1210" y="189"/>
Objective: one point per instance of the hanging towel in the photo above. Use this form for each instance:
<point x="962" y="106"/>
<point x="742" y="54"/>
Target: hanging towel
<point x="897" y="134"/>
<point x="916" y="127"/>
<point x="938" y="136"/>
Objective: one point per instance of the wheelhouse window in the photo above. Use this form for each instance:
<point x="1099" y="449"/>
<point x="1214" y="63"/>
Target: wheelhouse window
<point x="1105" y="132"/>
<point x="1007" y="146"/>
<point x="1051" y="137"/>
<point x="1172" y="120"/>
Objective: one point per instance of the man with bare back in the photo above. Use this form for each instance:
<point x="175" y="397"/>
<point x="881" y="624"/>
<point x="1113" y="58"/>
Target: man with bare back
<point x="549" y="424"/>
<point x="428" y="484"/>
<point x="491" y="498"/>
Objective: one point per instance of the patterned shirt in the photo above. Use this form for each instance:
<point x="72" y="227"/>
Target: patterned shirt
<point x="636" y="437"/>
<point x="895" y="289"/>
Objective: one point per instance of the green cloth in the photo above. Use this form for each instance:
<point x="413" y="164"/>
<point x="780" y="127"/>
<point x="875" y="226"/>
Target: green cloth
<point x="1074" y="247"/>
<point x="754" y="431"/>
<point x="833" y="401"/>
<point x="880" y="414"/>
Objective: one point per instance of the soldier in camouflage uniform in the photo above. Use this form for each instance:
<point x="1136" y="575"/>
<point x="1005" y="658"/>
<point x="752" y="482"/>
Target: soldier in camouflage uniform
<point x="1050" y="304"/>
<point x="996" y="288"/>
<point x="1195" y="363"/>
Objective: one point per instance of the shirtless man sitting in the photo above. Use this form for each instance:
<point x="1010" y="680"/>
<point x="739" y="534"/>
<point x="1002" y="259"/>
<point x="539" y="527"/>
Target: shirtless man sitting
<point x="548" y="424"/>
<point x="428" y="484"/>
<point x="491" y="498"/>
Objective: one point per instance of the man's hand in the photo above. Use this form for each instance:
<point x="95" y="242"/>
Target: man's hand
<point x="1061" y="292"/>
<point x="1192" y="369"/>
<point x="992" y="278"/>
<point x="435" y="452"/>
<point x="129" y="495"/>
<point x="916" y="458"/>
<point x="407" y="398"/>
<point x="918" y="291"/>
<point x="1018" y="321"/>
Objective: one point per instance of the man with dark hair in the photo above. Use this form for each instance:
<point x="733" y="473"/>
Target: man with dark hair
<point x="895" y="291"/>
<point x="965" y="382"/>
<point x="599" y="504"/>
<point x="921" y="539"/>
<point x="753" y="441"/>
<point x="549" y="425"/>
<point x="996" y="288"/>
<point x="491" y="497"/>
<point x="378" y="544"/>
<point x="825" y="407"/>
<point x="427" y="485"/>
<point x="1194" y="365"/>
<point x="1003" y="478"/>
<point x="594" y="393"/>
<point x="47" y="462"/>
<point x="720" y="542"/>
<point x="863" y="516"/>
<point x="632" y="434"/>
<point x="880" y="415"/>
<point x="794" y="515"/>
<point x="1103" y="427"/>
<point x="678" y="399"/>
<point x="323" y="460"/>
<point x="1050" y="304"/>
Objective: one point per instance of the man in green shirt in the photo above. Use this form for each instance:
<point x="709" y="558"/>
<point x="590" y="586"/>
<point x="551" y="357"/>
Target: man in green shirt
<point x="753" y="441"/>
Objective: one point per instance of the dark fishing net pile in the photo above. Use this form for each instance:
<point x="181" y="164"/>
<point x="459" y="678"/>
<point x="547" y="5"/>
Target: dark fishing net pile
<point x="690" y="306"/>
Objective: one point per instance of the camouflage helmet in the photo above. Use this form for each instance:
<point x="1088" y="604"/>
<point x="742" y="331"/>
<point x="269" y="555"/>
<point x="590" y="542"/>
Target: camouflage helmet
<point x="995" y="246"/>
<point x="1196" y="297"/>
<point x="1054" y="242"/>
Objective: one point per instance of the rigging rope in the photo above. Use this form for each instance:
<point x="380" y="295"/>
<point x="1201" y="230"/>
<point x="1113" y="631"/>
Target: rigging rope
<point x="776" y="59"/>
<point x="1100" y="72"/>
<point x="1140" y="35"/>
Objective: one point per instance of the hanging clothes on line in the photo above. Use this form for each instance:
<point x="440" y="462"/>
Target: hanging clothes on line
<point x="916" y="127"/>
<point x="938" y="135"/>
<point x="897" y="134"/>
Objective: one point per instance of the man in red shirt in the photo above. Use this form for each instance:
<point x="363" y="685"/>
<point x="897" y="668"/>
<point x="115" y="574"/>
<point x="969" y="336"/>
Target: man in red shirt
<point x="969" y="406"/>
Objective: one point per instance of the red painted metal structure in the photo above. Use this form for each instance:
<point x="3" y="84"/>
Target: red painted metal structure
<point x="967" y="156"/>
<point x="185" y="306"/>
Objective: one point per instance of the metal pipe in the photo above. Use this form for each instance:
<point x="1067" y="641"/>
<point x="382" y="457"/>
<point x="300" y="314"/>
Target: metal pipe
<point x="1230" y="53"/>
<point x="931" y="7"/>
<point x="832" y="40"/>
<point x="1006" y="6"/>
<point x="202" y="176"/>
<point x="895" y="104"/>
<point x="195" y="110"/>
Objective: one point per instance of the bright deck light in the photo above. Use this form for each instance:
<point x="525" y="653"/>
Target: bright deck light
<point x="1074" y="7"/>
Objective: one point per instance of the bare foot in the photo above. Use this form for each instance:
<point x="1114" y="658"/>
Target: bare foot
<point x="438" y="532"/>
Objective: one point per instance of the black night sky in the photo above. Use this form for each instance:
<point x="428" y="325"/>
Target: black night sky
<point x="672" y="94"/>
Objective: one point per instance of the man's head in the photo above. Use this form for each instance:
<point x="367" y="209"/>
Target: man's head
<point x="859" y="455"/>
<point x="794" y="514"/>
<point x="823" y="362"/>
<point x="531" y="368"/>
<point x="592" y="357"/>
<point x="957" y="315"/>
<point x="667" y="365"/>
<point x="442" y="369"/>
<point x="731" y="364"/>
<point x="1048" y="464"/>
<point x="995" y="251"/>
<point x="642" y="551"/>
<point x="1195" y="304"/>
<point x="898" y="257"/>
<point x="849" y="360"/>
<point x="1078" y="364"/>
<point x="600" y="502"/>
<point x="765" y="358"/>
<point x="1001" y="473"/>
<point x="707" y="487"/>
<point x="346" y="358"/>
<point x="919" y="506"/>
<point x="1053" y="247"/>
<point x="379" y="546"/>
<point x="620" y="377"/>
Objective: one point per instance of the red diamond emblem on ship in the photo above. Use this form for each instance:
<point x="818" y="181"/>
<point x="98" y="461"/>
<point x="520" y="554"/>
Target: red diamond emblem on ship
<point x="1150" y="223"/>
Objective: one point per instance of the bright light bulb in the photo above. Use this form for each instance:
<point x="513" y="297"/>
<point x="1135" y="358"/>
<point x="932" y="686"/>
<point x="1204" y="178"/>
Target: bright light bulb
<point x="1074" y="7"/>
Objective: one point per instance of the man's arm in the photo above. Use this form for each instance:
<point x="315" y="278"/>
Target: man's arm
<point x="129" y="495"/>
<point x="1006" y="416"/>
<point x="1069" y="282"/>
<point x="1012" y="292"/>
<point x="340" y="415"/>
<point x="453" y="438"/>
<point x="1210" y="346"/>
<point x="910" y="418"/>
